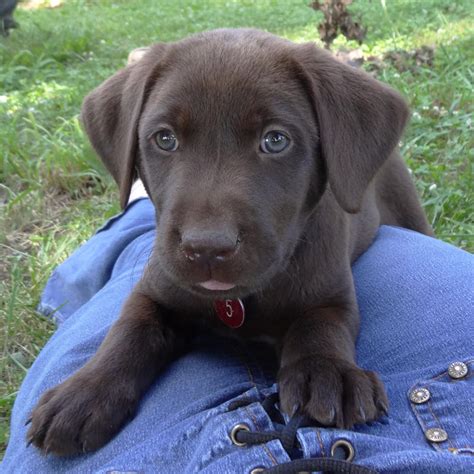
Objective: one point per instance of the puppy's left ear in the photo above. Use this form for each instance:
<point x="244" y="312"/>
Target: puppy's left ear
<point x="360" y="122"/>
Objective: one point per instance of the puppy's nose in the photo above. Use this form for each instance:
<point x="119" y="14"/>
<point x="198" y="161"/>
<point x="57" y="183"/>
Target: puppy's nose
<point x="208" y="247"/>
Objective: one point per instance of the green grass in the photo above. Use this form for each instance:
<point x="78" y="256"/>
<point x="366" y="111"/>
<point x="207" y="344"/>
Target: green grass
<point x="56" y="193"/>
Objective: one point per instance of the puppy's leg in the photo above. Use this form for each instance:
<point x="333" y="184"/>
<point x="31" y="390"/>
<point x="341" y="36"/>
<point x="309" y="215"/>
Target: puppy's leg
<point x="318" y="374"/>
<point x="85" y="411"/>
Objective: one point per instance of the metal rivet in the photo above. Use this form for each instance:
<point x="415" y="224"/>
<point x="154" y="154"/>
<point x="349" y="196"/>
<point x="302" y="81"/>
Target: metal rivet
<point x="238" y="427"/>
<point x="436" y="435"/>
<point x="420" y="395"/>
<point x="457" y="370"/>
<point x="346" y="446"/>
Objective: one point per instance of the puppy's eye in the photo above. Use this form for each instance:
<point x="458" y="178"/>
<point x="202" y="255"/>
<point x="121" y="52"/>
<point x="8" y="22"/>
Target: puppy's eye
<point x="166" y="140"/>
<point x="274" y="142"/>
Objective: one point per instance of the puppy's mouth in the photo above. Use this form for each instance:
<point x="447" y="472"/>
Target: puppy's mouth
<point x="216" y="289"/>
<point x="215" y="285"/>
<point x="220" y="287"/>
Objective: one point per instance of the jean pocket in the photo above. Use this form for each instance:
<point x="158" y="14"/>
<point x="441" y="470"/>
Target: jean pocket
<point x="443" y="405"/>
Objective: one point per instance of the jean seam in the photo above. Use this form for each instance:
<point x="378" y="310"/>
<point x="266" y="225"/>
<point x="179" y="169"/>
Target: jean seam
<point x="438" y="421"/>
<point x="468" y="362"/>
<point x="263" y="445"/>
<point x="321" y="445"/>
<point x="249" y="412"/>
<point x="242" y="360"/>
<point x="450" y="380"/>
<point x="418" y="415"/>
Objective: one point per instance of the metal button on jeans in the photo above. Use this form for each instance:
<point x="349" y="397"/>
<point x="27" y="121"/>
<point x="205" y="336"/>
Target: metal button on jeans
<point x="457" y="370"/>
<point x="436" y="435"/>
<point x="420" y="395"/>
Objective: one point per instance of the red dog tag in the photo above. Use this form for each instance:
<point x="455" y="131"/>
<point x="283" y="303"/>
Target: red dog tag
<point x="230" y="312"/>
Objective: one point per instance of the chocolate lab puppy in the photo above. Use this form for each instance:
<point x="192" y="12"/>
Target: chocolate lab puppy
<point x="271" y="166"/>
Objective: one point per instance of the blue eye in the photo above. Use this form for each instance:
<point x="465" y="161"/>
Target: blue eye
<point x="274" y="142"/>
<point x="166" y="140"/>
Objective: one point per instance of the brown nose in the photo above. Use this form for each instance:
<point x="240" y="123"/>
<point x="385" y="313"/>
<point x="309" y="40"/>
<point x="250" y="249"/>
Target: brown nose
<point x="207" y="247"/>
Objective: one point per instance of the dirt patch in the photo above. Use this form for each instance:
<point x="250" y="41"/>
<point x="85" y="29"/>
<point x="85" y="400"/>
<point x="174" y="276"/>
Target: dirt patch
<point x="337" y="19"/>
<point x="403" y="61"/>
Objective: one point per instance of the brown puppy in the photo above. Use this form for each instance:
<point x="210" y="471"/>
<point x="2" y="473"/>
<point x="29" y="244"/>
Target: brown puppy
<point x="271" y="166"/>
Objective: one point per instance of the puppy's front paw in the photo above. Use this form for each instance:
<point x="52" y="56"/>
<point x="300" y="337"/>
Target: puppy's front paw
<point x="80" y="415"/>
<point x="332" y="391"/>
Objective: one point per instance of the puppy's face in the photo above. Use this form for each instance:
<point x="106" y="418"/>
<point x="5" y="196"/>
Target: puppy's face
<point x="231" y="168"/>
<point x="235" y="133"/>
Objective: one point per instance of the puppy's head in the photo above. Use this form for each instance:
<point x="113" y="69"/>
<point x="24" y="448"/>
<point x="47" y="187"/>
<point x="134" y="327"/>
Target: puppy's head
<point x="235" y="134"/>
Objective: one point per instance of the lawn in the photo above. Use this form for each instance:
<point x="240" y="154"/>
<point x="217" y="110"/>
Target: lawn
<point x="54" y="192"/>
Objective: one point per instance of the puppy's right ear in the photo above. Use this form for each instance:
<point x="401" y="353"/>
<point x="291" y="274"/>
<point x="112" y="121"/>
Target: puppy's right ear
<point x="110" y="114"/>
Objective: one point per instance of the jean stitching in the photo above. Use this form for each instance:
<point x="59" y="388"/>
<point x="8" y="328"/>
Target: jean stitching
<point x="249" y="412"/>
<point x="247" y="367"/>
<point x="420" y="422"/>
<point x="249" y="373"/>
<point x="263" y="445"/>
<point x="418" y="415"/>
<point x="449" y="380"/>
<point x="321" y="445"/>
<point x="469" y="362"/>
<point x="430" y="408"/>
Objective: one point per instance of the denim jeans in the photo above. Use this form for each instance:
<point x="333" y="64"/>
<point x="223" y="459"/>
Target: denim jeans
<point x="416" y="298"/>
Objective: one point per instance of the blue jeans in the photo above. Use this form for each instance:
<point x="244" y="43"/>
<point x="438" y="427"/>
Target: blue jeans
<point x="416" y="298"/>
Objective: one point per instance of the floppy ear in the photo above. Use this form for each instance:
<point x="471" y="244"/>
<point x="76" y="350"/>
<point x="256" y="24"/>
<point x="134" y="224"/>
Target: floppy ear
<point x="360" y="122"/>
<point x="110" y="114"/>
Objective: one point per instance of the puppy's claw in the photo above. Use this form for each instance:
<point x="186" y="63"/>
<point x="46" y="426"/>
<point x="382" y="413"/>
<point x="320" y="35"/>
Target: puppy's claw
<point x="295" y="409"/>
<point x="332" y="417"/>
<point x="382" y="407"/>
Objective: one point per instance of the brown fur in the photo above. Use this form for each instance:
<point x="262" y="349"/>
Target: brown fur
<point x="284" y="228"/>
